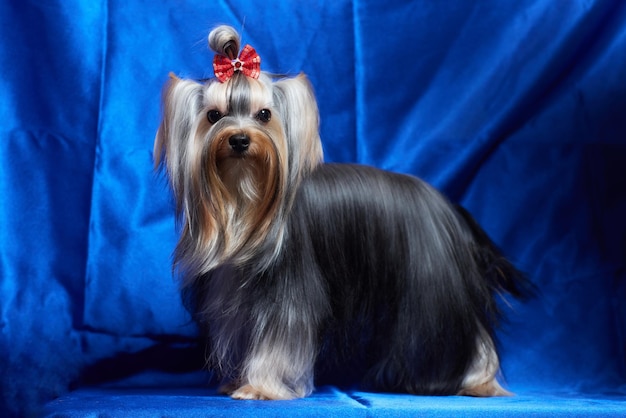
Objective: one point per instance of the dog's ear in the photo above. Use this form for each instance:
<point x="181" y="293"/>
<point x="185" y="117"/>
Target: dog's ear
<point x="181" y="103"/>
<point x="295" y="101"/>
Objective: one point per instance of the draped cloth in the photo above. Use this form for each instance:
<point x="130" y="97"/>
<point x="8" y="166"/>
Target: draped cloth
<point x="516" y="110"/>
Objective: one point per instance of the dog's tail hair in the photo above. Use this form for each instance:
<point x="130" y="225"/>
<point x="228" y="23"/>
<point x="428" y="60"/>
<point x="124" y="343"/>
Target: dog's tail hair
<point x="501" y="275"/>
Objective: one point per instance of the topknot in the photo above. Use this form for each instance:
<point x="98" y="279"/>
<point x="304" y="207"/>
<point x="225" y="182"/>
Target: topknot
<point x="224" y="40"/>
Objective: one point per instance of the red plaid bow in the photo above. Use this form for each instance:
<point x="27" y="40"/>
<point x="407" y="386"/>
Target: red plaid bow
<point x="249" y="62"/>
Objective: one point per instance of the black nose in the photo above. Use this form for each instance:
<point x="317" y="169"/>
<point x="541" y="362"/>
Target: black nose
<point x="239" y="142"/>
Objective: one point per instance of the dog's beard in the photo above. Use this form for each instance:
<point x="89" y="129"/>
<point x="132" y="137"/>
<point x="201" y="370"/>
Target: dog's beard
<point x="251" y="179"/>
<point x="254" y="186"/>
<point x="240" y="176"/>
<point x="233" y="200"/>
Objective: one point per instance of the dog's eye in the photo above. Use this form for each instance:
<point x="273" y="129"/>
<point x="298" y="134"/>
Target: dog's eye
<point x="264" y="115"/>
<point x="214" y="115"/>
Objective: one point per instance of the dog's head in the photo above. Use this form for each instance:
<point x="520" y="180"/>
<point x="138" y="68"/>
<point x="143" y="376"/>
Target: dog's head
<point x="235" y="148"/>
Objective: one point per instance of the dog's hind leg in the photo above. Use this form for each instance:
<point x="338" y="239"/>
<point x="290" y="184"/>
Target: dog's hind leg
<point x="480" y="379"/>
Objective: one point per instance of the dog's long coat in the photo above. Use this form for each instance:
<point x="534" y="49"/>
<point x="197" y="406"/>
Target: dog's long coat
<point x="290" y="265"/>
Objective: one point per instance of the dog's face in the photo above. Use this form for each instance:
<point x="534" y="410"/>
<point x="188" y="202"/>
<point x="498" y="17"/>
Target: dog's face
<point x="235" y="152"/>
<point x="247" y="147"/>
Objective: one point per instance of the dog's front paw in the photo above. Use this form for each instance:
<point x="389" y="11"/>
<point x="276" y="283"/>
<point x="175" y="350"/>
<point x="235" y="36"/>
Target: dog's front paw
<point x="227" y="387"/>
<point x="249" y="392"/>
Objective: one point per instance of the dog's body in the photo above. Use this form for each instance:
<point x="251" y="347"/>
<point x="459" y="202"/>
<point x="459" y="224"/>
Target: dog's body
<point x="284" y="257"/>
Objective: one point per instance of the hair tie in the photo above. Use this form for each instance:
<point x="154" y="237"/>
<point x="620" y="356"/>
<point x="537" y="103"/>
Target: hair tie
<point x="248" y="62"/>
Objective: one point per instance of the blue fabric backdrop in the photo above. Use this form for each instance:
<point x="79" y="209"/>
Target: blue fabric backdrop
<point x="517" y="110"/>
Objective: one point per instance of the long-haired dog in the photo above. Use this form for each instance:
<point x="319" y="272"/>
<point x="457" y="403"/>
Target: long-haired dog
<point x="287" y="262"/>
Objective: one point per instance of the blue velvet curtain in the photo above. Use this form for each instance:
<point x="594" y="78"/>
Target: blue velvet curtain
<point x="516" y="110"/>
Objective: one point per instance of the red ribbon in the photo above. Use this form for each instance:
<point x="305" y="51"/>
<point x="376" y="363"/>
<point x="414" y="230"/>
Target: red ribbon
<point x="249" y="62"/>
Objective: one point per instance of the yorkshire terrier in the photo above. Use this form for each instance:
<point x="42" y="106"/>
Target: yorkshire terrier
<point x="291" y="265"/>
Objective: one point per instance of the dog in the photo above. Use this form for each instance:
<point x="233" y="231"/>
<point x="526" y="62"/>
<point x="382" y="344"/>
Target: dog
<point x="292" y="266"/>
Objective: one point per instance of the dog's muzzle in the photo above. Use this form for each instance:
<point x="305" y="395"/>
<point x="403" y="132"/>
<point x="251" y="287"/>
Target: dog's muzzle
<point x="239" y="143"/>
